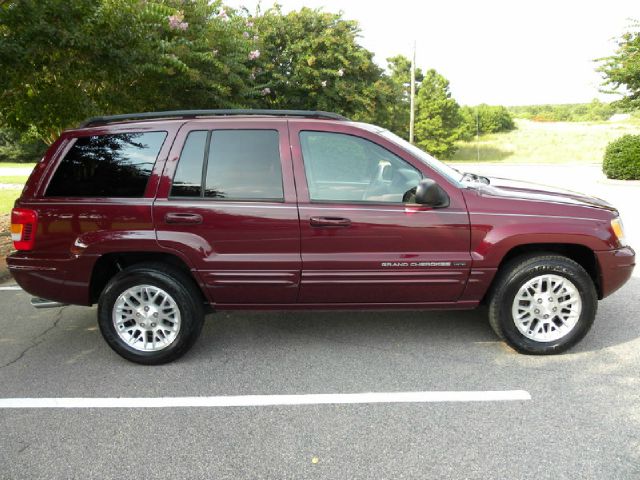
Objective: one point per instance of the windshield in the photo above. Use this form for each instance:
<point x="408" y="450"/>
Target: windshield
<point x="446" y="171"/>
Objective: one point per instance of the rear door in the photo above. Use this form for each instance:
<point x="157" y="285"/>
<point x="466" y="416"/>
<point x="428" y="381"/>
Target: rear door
<point x="362" y="242"/>
<point x="227" y="202"/>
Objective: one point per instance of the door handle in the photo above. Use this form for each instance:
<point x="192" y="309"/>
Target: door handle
<point x="183" y="218"/>
<point x="329" y="222"/>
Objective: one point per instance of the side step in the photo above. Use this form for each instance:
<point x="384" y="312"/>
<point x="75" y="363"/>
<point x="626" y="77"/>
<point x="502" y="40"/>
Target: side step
<point x="38" y="302"/>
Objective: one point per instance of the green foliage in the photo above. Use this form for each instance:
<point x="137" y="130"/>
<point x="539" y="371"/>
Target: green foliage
<point x="485" y="118"/>
<point x="569" y="112"/>
<point x="19" y="149"/>
<point x="64" y="61"/>
<point x="622" y="70"/>
<point x="622" y="158"/>
<point x="310" y="59"/>
<point x="396" y="85"/>
<point x="438" y="118"/>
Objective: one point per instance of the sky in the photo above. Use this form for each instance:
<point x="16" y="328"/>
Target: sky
<point x="492" y="51"/>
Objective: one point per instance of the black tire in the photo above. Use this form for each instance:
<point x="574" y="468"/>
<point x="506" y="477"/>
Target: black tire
<point x="181" y="288"/>
<point x="514" y="275"/>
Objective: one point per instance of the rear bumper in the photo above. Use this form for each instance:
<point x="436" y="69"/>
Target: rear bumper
<point x="616" y="267"/>
<point x="57" y="279"/>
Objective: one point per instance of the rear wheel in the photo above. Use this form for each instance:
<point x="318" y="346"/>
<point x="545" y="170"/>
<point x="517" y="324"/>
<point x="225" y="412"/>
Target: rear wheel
<point x="543" y="304"/>
<point x="150" y="314"/>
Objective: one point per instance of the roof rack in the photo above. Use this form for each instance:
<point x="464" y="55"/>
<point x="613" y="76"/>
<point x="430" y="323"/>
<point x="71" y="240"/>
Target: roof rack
<point x="184" y="114"/>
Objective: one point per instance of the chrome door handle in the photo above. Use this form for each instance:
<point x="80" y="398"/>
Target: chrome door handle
<point x="183" y="218"/>
<point x="329" y="222"/>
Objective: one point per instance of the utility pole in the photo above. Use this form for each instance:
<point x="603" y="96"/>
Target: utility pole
<point x="412" y="114"/>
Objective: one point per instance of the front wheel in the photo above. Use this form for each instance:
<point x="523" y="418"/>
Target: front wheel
<point x="150" y="314"/>
<point x="543" y="304"/>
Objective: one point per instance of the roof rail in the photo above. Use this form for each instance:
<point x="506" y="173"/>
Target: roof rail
<point x="184" y="114"/>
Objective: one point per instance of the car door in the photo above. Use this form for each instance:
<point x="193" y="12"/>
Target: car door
<point x="226" y="201"/>
<point x="361" y="242"/>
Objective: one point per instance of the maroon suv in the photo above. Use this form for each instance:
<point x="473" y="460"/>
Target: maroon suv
<point x="159" y="217"/>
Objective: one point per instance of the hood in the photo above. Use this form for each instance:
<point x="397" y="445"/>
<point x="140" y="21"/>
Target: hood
<point x="502" y="187"/>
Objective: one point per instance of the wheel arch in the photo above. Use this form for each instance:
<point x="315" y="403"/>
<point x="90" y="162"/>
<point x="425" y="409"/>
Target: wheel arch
<point x="579" y="253"/>
<point x="110" y="264"/>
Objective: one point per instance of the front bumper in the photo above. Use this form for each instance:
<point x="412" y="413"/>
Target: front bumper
<point x="616" y="267"/>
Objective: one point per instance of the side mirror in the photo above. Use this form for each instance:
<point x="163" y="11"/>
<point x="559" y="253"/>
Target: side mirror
<point x="430" y="193"/>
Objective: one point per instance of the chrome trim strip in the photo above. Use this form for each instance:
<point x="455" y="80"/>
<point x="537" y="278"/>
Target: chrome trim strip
<point x="400" y="209"/>
<point x="383" y="274"/>
<point x="218" y="205"/>
<point x="534" y="215"/>
<point x="383" y="281"/>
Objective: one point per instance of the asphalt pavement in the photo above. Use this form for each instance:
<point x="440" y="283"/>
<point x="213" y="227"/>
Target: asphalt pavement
<point x="582" y="421"/>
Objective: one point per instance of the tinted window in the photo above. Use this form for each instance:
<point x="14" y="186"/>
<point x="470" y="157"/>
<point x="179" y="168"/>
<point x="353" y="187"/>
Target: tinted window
<point x="244" y="165"/>
<point x="187" y="181"/>
<point x="343" y="168"/>
<point x="107" y="166"/>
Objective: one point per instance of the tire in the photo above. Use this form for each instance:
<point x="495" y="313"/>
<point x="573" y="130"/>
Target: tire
<point x="542" y="304"/>
<point x="163" y="299"/>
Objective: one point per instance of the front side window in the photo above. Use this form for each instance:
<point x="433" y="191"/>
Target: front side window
<point x="345" y="168"/>
<point x="117" y="165"/>
<point x="239" y="165"/>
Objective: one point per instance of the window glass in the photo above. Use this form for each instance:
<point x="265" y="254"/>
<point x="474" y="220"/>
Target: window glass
<point x="344" y="168"/>
<point x="187" y="182"/>
<point x="244" y="165"/>
<point x="107" y="166"/>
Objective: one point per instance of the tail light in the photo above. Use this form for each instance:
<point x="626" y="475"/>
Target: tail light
<point x="23" y="228"/>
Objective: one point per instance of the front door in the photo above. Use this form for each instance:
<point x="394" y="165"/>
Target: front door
<point x="361" y="241"/>
<point x="227" y="201"/>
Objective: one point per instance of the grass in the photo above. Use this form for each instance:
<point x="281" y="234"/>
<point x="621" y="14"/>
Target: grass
<point x="547" y="142"/>
<point x="16" y="165"/>
<point x="7" y="197"/>
<point x="21" y="179"/>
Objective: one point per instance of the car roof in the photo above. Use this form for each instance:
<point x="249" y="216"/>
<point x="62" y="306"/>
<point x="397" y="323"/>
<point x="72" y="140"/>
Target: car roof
<point x="218" y="113"/>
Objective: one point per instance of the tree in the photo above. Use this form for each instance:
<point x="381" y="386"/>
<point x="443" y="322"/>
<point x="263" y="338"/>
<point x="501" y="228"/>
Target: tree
<point x="395" y="115"/>
<point x="13" y="148"/>
<point x="309" y="59"/>
<point x="64" y="61"/>
<point x="622" y="70"/>
<point x="438" y="119"/>
<point x="485" y="118"/>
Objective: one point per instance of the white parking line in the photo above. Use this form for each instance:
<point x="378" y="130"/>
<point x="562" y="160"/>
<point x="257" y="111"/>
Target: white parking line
<point x="264" y="400"/>
<point x="11" y="287"/>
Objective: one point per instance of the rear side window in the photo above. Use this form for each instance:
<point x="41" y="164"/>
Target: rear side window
<point x="240" y="165"/>
<point x="244" y="164"/>
<point x="107" y="166"/>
